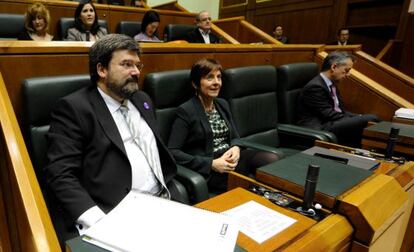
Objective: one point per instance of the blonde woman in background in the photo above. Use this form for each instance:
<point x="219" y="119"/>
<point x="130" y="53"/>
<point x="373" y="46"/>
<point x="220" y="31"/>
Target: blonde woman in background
<point x="36" y="25"/>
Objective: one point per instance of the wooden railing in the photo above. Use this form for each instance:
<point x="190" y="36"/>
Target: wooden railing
<point x="387" y="76"/>
<point x="245" y="32"/>
<point x="23" y="209"/>
<point x="173" y="5"/>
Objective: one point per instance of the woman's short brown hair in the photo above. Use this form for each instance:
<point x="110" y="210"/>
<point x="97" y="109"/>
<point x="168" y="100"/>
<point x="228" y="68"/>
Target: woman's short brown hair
<point x="202" y="68"/>
<point x="34" y="10"/>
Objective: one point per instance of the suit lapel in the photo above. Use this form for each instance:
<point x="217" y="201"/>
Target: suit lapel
<point x="105" y="119"/>
<point x="204" y="122"/>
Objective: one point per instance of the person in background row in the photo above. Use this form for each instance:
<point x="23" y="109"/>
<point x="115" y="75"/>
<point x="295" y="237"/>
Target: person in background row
<point x="202" y="34"/>
<point x="278" y="34"/>
<point x="138" y="3"/>
<point x="36" y="24"/>
<point x="149" y="27"/>
<point x="86" y="27"/>
<point x="321" y="106"/>
<point x="342" y="37"/>
<point x="204" y="137"/>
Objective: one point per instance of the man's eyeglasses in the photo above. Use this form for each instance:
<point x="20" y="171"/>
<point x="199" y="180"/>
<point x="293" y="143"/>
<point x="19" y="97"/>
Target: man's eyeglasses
<point x="129" y="65"/>
<point x="205" y="19"/>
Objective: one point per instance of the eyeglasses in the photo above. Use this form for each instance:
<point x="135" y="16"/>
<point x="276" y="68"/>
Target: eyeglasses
<point x="205" y="19"/>
<point x="128" y="65"/>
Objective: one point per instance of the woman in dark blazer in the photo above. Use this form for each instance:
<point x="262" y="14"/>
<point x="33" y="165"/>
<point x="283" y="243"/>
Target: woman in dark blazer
<point x="86" y="27"/>
<point x="203" y="134"/>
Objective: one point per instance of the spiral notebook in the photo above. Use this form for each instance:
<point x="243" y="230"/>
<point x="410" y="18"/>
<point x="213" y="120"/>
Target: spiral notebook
<point x="142" y="222"/>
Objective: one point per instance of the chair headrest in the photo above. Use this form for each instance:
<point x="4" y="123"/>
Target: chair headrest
<point x="41" y="93"/>
<point x="177" y="31"/>
<point x="243" y="81"/>
<point x="11" y="25"/>
<point x="168" y="89"/>
<point x="130" y="28"/>
<point x="295" y="75"/>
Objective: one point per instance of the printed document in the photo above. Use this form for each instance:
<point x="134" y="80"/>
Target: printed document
<point x="146" y="223"/>
<point x="259" y="222"/>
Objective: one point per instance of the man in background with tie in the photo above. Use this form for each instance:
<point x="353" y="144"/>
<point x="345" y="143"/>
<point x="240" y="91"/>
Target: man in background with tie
<point x="321" y="107"/>
<point x="103" y="142"/>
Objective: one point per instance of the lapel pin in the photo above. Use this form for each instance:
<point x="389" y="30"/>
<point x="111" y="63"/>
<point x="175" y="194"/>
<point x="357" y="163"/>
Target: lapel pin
<point x="146" y="106"/>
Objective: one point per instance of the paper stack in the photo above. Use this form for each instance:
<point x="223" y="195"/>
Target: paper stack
<point x="146" y="223"/>
<point x="405" y="113"/>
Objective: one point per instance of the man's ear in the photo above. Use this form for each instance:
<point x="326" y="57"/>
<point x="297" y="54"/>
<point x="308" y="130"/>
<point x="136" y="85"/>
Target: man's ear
<point x="102" y="71"/>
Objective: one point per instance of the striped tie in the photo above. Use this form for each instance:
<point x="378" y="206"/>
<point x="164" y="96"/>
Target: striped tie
<point x="132" y="127"/>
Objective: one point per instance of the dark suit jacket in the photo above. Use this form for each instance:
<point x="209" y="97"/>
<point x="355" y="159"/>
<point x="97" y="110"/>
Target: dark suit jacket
<point x="316" y="106"/>
<point x="195" y="37"/>
<point x="191" y="138"/>
<point x="88" y="164"/>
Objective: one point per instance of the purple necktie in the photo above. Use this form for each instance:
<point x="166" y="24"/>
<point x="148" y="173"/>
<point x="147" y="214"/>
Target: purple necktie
<point x="335" y="99"/>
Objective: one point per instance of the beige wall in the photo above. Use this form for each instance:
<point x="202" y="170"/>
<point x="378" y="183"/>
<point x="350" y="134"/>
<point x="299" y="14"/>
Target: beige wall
<point x="212" y="6"/>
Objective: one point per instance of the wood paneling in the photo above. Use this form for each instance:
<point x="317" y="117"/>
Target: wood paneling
<point x="407" y="56"/>
<point x="29" y="224"/>
<point x="372" y="22"/>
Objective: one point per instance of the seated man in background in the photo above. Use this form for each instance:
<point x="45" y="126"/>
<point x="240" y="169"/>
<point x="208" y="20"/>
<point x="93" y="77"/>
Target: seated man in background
<point x="342" y="37"/>
<point x="278" y="34"/>
<point x="202" y="34"/>
<point x="321" y="106"/>
<point x="103" y="141"/>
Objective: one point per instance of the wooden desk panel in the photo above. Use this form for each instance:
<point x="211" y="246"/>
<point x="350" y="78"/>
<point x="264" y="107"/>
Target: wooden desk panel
<point x="239" y="196"/>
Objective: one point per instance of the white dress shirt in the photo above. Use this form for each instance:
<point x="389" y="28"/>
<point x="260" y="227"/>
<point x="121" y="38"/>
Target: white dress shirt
<point x="143" y="178"/>
<point x="206" y="36"/>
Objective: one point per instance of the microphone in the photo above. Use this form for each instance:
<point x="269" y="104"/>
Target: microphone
<point x="392" y="139"/>
<point x="88" y="35"/>
<point x="310" y="186"/>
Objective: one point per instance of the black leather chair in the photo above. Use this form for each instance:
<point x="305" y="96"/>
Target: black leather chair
<point x="168" y="90"/>
<point x="177" y="31"/>
<point x="291" y="78"/>
<point x="39" y="96"/>
<point x="251" y="92"/>
<point x="130" y="28"/>
<point x="67" y="22"/>
<point x="11" y="26"/>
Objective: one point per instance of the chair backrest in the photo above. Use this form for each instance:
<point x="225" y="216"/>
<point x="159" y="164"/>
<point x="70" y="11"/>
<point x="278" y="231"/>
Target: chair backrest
<point x="130" y="28"/>
<point x="291" y="78"/>
<point x="168" y="90"/>
<point x="11" y="25"/>
<point x="39" y="95"/>
<point x="67" y="22"/>
<point x="251" y="93"/>
<point x="177" y="31"/>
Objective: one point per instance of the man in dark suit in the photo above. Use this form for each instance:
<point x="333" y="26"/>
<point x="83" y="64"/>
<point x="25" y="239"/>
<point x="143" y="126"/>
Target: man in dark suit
<point x="202" y="34"/>
<point x="342" y="37"/>
<point x="103" y="142"/>
<point x="321" y="106"/>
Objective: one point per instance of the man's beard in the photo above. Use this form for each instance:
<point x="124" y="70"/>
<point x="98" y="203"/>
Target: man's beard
<point x="127" y="89"/>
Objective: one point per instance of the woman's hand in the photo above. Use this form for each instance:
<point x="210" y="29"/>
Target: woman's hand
<point x="228" y="161"/>
<point x="232" y="155"/>
<point x="220" y="165"/>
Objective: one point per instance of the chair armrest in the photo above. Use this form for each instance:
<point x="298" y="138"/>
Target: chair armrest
<point x="194" y="182"/>
<point x="257" y="146"/>
<point x="301" y="137"/>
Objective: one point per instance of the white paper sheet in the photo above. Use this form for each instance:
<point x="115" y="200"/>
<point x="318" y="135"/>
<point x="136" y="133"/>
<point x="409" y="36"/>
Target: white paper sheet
<point x="145" y="223"/>
<point x="259" y="222"/>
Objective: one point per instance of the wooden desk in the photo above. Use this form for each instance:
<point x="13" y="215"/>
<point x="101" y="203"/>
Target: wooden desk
<point x="332" y="233"/>
<point x="375" y="138"/>
<point x="379" y="209"/>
